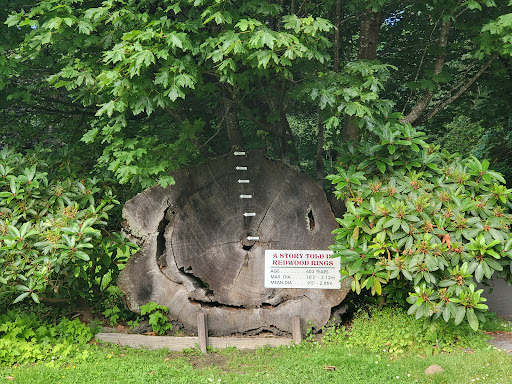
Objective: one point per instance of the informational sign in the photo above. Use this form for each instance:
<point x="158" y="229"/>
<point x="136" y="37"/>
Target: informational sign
<point x="302" y="269"/>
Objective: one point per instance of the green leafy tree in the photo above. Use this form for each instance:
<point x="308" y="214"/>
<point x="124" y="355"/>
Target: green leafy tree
<point x="162" y="84"/>
<point x="147" y="70"/>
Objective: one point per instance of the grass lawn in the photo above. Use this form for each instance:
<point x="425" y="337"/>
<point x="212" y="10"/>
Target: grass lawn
<point x="306" y="363"/>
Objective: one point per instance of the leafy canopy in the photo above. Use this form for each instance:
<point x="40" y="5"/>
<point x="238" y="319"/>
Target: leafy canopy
<point x="128" y="60"/>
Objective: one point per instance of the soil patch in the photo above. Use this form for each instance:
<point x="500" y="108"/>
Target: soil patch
<point x="501" y="340"/>
<point x="208" y="360"/>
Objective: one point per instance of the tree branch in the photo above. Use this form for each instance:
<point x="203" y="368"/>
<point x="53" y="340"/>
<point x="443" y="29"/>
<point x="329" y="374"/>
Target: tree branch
<point x="424" y="53"/>
<point x="47" y="100"/>
<point x="438" y="108"/>
<point x="336" y="65"/>
<point x="422" y="104"/>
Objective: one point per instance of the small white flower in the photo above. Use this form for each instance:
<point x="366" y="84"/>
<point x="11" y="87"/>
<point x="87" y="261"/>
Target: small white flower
<point x="398" y="377"/>
<point x="408" y="375"/>
<point x="376" y="362"/>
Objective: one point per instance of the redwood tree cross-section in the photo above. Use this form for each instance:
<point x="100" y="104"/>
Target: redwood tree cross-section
<point x="204" y="240"/>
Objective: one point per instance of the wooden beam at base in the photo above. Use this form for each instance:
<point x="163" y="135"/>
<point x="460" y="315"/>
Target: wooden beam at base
<point x="202" y="331"/>
<point x="296" y="330"/>
<point x="180" y="343"/>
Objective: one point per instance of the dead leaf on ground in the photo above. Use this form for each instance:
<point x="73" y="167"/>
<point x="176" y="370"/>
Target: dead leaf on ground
<point x="9" y="377"/>
<point x="330" y="367"/>
<point x="150" y="333"/>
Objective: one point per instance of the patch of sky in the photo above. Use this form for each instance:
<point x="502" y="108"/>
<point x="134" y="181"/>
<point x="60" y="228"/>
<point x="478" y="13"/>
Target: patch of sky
<point x="394" y="18"/>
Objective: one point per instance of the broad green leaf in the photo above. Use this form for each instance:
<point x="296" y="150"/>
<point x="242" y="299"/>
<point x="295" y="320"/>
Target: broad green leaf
<point x="472" y="319"/>
<point x="89" y="136"/>
<point x="20" y="297"/>
<point x="85" y="27"/>
<point x="381" y="166"/>
<point x="461" y="312"/>
<point x="479" y="273"/>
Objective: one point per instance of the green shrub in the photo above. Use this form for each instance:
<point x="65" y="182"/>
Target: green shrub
<point x="421" y="224"/>
<point x="53" y="238"/>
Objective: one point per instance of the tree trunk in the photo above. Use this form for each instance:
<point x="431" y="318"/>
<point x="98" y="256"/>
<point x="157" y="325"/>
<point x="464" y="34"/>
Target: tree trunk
<point x="337" y="24"/>
<point x="320" y="150"/>
<point x="283" y="125"/>
<point x="231" y="117"/>
<point x="369" y="32"/>
<point x="196" y="255"/>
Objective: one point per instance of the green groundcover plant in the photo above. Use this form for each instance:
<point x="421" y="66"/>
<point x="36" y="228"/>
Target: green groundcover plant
<point x="157" y="317"/>
<point x="422" y="225"/>
<point x="54" y="242"/>
<point x="391" y="331"/>
<point x="25" y="338"/>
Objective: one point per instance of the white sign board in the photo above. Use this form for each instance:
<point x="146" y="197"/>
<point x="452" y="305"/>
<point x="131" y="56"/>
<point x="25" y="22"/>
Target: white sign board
<point x="302" y="269"/>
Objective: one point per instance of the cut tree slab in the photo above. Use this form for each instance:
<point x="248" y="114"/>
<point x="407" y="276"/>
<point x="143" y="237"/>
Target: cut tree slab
<point x="196" y="256"/>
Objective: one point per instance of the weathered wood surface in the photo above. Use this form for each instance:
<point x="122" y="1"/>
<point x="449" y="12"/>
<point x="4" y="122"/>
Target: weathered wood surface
<point x="180" y="343"/>
<point x="195" y="256"/>
<point x="202" y="331"/>
<point x="296" y="330"/>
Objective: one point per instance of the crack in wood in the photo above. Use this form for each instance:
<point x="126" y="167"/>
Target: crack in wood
<point x="245" y="263"/>
<point x="160" y="241"/>
<point x="267" y="328"/>
<point x="212" y="176"/>
<point x="268" y="208"/>
<point x="215" y="304"/>
<point x="197" y="282"/>
<point x="310" y="219"/>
